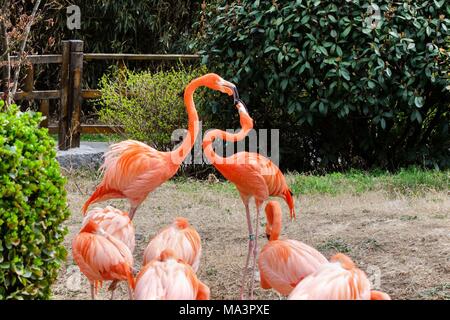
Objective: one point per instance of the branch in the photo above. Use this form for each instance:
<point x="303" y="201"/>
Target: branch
<point x="4" y="55"/>
<point x="22" y="46"/>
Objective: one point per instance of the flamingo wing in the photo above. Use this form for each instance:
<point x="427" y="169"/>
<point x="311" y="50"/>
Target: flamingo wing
<point x="243" y="170"/>
<point x="284" y="263"/>
<point x="333" y="282"/>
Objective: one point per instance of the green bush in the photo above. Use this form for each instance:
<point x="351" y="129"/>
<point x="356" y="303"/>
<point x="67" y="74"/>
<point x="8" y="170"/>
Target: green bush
<point x="148" y="105"/>
<point x="32" y="207"/>
<point x="346" y="89"/>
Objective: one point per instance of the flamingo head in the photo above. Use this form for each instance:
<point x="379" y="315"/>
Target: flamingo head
<point x="215" y="82"/>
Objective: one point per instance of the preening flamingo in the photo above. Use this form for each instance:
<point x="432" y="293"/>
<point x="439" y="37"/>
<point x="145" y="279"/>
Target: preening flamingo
<point x="339" y="279"/>
<point x="284" y="263"/>
<point x="253" y="175"/>
<point x="183" y="239"/>
<point x="102" y="257"/>
<point x="132" y="169"/>
<point x="116" y="223"/>
<point x="169" y="278"/>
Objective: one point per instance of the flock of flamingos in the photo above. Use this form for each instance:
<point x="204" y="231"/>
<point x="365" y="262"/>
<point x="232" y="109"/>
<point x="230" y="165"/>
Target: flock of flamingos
<point x="103" y="249"/>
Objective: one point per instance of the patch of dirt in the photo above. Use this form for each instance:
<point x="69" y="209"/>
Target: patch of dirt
<point x="403" y="243"/>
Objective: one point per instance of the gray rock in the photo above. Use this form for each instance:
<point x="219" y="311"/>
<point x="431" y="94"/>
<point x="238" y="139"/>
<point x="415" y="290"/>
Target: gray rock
<point x="88" y="156"/>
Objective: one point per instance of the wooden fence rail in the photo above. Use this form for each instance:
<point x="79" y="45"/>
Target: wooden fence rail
<point x="70" y="93"/>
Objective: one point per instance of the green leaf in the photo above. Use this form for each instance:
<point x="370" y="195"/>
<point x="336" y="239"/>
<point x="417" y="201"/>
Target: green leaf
<point x="347" y="30"/>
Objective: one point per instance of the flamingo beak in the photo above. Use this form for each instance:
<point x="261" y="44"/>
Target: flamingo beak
<point x="268" y="236"/>
<point x="232" y="90"/>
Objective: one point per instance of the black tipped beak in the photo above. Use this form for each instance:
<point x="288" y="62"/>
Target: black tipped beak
<point x="268" y="236"/>
<point x="236" y="99"/>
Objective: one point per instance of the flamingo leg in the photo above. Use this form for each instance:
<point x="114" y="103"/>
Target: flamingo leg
<point x="255" y="251"/>
<point x="92" y="291"/>
<point x="112" y="288"/>
<point x="250" y="249"/>
<point x="130" y="293"/>
<point x="132" y="212"/>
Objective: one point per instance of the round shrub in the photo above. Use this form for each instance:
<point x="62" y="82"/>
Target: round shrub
<point x="350" y="83"/>
<point x="32" y="207"/>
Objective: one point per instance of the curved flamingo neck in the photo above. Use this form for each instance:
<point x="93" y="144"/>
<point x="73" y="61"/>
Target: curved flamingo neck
<point x="212" y="156"/>
<point x="180" y="153"/>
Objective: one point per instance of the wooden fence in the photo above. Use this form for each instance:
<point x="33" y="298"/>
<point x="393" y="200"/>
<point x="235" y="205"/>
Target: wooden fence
<point x="70" y="93"/>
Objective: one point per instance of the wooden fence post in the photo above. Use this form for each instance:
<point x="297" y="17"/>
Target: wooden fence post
<point x="71" y="75"/>
<point x="64" y="87"/>
<point x="76" y="70"/>
<point x="44" y="108"/>
<point x="29" y="79"/>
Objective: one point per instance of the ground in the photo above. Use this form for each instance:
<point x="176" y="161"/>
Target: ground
<point x="401" y="241"/>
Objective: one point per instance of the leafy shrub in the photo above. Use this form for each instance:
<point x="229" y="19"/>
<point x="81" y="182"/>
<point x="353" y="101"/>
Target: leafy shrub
<point x="346" y="88"/>
<point x="148" y="105"/>
<point x="32" y="207"/>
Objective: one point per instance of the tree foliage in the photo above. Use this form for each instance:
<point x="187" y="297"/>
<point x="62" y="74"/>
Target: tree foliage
<point x="347" y="87"/>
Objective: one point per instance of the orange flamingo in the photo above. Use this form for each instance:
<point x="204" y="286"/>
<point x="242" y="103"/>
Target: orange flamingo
<point x="169" y="278"/>
<point x="181" y="238"/>
<point x="284" y="263"/>
<point x="102" y="257"/>
<point x="116" y="223"/>
<point x="338" y="280"/>
<point x="132" y="169"/>
<point x="253" y="175"/>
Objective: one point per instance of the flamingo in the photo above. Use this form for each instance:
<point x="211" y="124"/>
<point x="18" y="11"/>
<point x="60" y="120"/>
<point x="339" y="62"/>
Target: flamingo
<point x="284" y="263"/>
<point x="183" y="239"/>
<point x="116" y="223"/>
<point x="102" y="257"/>
<point x="339" y="279"/>
<point x="253" y="175"/>
<point x="169" y="278"/>
<point x="132" y="169"/>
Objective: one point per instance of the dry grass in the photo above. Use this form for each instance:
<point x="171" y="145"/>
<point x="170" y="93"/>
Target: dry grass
<point x="404" y="238"/>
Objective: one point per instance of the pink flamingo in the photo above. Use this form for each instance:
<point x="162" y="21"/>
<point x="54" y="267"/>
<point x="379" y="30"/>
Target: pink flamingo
<point x="254" y="176"/>
<point x="117" y="224"/>
<point x="102" y="257"/>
